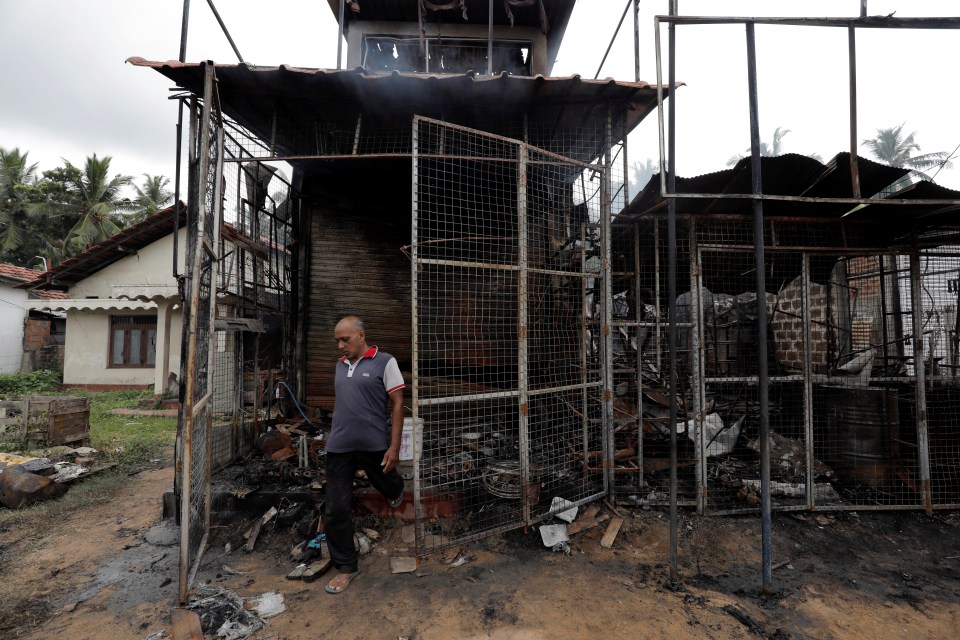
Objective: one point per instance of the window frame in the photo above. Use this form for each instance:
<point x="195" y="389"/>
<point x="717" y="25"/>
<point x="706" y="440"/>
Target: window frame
<point x="128" y="325"/>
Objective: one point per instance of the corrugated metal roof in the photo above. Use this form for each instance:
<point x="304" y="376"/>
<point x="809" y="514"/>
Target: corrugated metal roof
<point x="252" y="94"/>
<point x="557" y="12"/>
<point x="797" y="175"/>
<point x="114" y="248"/>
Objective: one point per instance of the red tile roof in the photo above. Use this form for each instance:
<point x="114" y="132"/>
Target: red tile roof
<point x="50" y="294"/>
<point x="19" y="274"/>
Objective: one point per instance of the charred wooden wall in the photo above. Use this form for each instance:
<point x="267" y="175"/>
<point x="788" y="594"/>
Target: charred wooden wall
<point x="356" y="267"/>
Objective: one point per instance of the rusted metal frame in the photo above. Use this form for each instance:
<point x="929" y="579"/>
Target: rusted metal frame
<point x="499" y="267"/>
<point x="636" y="40"/>
<point x="656" y="294"/>
<point x="176" y="179"/>
<point x="523" y="400"/>
<point x="189" y="400"/>
<point x="184" y="30"/>
<point x="847" y="251"/>
<point x="489" y="38"/>
<point x="651" y="216"/>
<point x="496" y="395"/>
<point x="808" y="199"/>
<point x="414" y="332"/>
<point x="698" y="368"/>
<point x="356" y="133"/>
<point x="756" y="380"/>
<point x="616" y="32"/>
<point x="539" y="391"/>
<point x="861" y="23"/>
<point x="626" y="163"/>
<point x="671" y="185"/>
<point x="760" y="268"/>
<point x="340" y="19"/>
<point x="638" y="314"/>
<point x="559" y="162"/>
<point x="807" y="379"/>
<point x="852" y="65"/>
<point x="585" y="343"/>
<point x="633" y="323"/>
<point x="223" y="27"/>
<point x="214" y="272"/>
<point x="923" y="438"/>
<point x="607" y="303"/>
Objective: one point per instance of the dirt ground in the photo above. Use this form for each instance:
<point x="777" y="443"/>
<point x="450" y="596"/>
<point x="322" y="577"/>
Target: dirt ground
<point x="867" y="575"/>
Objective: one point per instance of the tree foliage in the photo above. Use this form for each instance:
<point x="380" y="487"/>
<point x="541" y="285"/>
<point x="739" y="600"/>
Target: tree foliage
<point x="892" y="147"/>
<point x="69" y="207"/>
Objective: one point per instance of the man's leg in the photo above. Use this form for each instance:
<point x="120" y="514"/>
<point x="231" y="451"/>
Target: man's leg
<point x="389" y="484"/>
<point x="338" y="510"/>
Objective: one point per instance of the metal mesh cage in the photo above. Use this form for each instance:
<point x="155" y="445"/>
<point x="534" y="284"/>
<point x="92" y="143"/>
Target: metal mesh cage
<point x="508" y="290"/>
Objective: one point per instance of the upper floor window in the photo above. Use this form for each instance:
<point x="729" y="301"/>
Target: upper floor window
<point x="133" y="341"/>
<point x="383" y="54"/>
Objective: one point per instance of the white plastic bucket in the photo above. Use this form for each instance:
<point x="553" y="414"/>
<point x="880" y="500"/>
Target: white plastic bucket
<point x="406" y="438"/>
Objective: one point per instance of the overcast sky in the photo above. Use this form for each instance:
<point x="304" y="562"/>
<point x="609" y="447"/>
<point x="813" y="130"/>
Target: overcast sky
<point x="67" y="92"/>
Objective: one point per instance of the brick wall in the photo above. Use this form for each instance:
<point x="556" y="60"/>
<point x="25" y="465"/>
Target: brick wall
<point x="36" y="334"/>
<point x="787" y="326"/>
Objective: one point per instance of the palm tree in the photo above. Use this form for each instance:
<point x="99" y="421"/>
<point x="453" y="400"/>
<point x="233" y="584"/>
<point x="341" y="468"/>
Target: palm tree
<point x="774" y="149"/>
<point x="92" y="201"/>
<point x="891" y="147"/>
<point x="640" y="175"/>
<point x="152" y="196"/>
<point x="15" y="175"/>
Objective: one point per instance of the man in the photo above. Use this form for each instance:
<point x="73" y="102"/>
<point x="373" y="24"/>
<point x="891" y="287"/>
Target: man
<point x="368" y="381"/>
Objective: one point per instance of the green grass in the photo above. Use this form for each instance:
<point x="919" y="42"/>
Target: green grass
<point x="132" y="443"/>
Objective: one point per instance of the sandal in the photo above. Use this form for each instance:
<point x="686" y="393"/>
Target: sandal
<point x="341" y="581"/>
<point x="396" y="502"/>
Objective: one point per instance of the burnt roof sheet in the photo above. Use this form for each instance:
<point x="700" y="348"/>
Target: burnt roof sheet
<point x="250" y="94"/>
<point x="797" y="175"/>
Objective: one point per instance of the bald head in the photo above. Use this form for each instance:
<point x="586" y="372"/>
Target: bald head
<point x="351" y="337"/>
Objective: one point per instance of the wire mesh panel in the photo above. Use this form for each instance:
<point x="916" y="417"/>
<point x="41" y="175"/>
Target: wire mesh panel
<point x="206" y="164"/>
<point x="862" y="361"/>
<point x="254" y="296"/>
<point x="507" y="382"/>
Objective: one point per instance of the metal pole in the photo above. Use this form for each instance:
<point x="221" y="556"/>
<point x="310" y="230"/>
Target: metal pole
<point x="638" y="314"/>
<point x="176" y="185"/>
<point x="854" y="167"/>
<point x="923" y="439"/>
<point x="607" y="308"/>
<point x="807" y="378"/>
<point x="672" y="287"/>
<point x="636" y="40"/>
<point x="233" y="45"/>
<point x="184" y="28"/>
<point x="697" y="369"/>
<point x="414" y="332"/>
<point x="523" y="382"/>
<point x="615" y="33"/>
<point x="863" y="8"/>
<point x="489" y="39"/>
<point x="759" y="265"/>
<point x="340" y="35"/>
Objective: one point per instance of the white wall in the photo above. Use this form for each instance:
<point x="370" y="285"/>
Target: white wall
<point x="88" y="350"/>
<point x="151" y="265"/>
<point x="12" y="315"/>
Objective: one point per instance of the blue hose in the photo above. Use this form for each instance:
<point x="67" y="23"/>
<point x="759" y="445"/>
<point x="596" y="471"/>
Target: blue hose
<point x="295" y="403"/>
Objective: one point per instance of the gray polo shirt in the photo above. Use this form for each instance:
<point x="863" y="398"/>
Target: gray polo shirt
<point x="360" y="413"/>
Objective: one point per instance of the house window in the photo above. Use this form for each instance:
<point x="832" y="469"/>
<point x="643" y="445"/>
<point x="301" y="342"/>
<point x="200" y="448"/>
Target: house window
<point x="133" y="341"/>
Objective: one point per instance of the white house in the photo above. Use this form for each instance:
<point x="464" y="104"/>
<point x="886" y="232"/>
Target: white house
<point x="122" y="306"/>
<point x="13" y="314"/>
